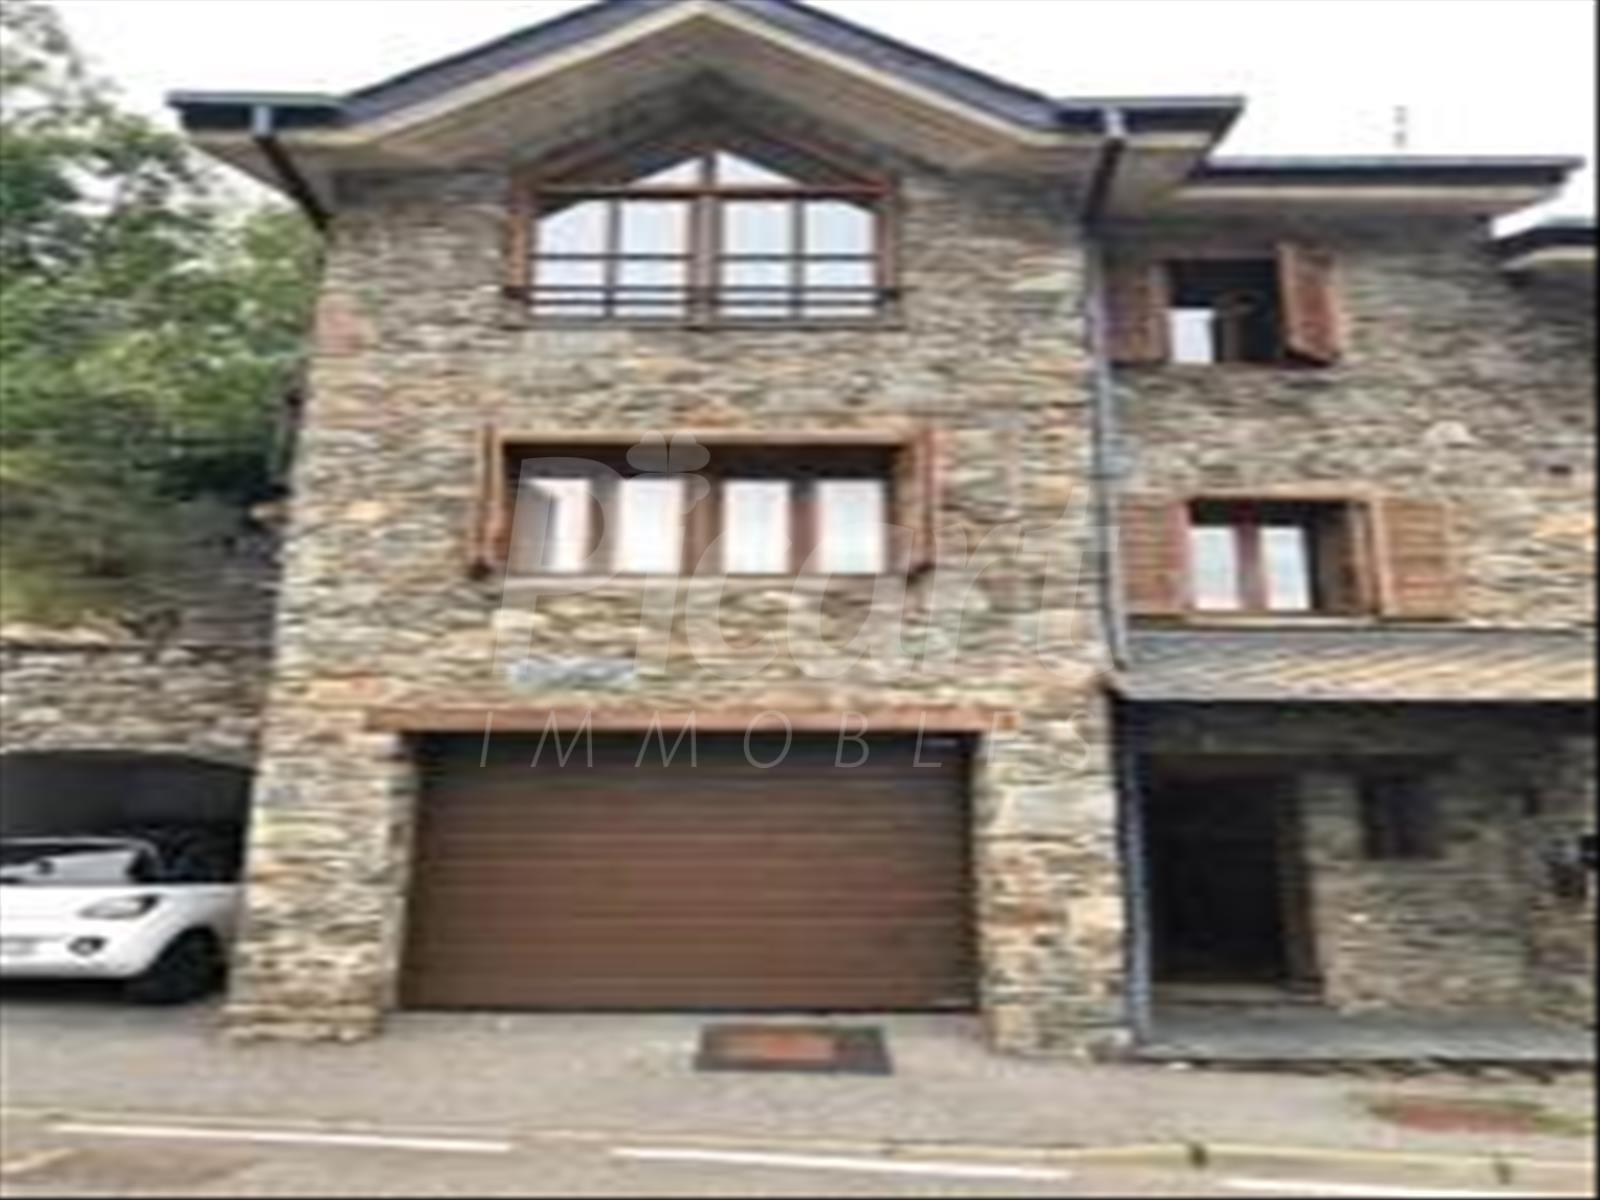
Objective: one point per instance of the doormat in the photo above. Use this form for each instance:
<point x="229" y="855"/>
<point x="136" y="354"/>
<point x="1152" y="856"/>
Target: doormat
<point x="812" y="1049"/>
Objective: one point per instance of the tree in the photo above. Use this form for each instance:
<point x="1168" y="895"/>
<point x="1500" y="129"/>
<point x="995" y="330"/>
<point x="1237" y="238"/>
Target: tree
<point x="149" y="334"/>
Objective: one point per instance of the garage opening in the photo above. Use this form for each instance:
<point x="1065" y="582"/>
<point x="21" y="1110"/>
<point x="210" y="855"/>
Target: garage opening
<point x="1229" y="908"/>
<point x="759" y="874"/>
<point x="98" y="793"/>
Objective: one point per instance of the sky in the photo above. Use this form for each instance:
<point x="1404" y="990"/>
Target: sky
<point x="1322" y="76"/>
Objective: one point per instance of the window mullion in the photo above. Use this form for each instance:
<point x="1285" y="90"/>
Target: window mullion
<point x="613" y="256"/>
<point x="803" y="522"/>
<point x="1252" y="574"/>
<point x="797" y="248"/>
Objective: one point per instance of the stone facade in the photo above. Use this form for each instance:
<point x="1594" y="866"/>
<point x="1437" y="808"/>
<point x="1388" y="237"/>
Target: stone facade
<point x="417" y="351"/>
<point x="1480" y="926"/>
<point x="1456" y="383"/>
<point x="200" y="702"/>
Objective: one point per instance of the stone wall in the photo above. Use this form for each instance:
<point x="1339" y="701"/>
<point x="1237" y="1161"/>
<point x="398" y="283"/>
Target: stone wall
<point x="1456" y="383"/>
<point x="1560" y="908"/>
<point x="1450" y="933"/>
<point x="417" y="351"/>
<point x="200" y="701"/>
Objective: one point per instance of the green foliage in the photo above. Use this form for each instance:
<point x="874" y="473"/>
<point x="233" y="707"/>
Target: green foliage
<point x="148" y="337"/>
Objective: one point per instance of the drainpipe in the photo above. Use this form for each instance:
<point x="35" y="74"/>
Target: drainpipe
<point x="1105" y="443"/>
<point x="1105" y="473"/>
<point x="264" y="132"/>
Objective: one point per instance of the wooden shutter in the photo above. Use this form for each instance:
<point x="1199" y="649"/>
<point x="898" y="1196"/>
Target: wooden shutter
<point x="1136" y="310"/>
<point x="1343" y="559"/>
<point x="491" y="524"/>
<point x="1153" y="531"/>
<point x="1310" y="311"/>
<point x="1416" y="559"/>
<point x="918" y="487"/>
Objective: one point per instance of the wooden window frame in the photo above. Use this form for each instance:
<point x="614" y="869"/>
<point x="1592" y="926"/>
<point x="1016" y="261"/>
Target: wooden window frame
<point x="701" y="300"/>
<point x="1311" y="322"/>
<point x="909" y="473"/>
<point x="1254" y="585"/>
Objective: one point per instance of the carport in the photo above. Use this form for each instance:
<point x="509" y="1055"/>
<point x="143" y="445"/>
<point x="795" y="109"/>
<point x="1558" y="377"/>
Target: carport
<point x="62" y="793"/>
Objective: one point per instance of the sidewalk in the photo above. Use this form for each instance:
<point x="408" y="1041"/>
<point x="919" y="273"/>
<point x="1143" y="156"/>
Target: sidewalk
<point x="633" y="1075"/>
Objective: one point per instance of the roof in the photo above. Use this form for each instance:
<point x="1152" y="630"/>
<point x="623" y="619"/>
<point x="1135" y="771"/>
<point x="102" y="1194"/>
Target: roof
<point x="1392" y="169"/>
<point x="1424" y="666"/>
<point x="1565" y="238"/>
<point x="999" y="97"/>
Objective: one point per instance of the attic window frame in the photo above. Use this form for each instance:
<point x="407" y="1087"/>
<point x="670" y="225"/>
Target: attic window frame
<point x="538" y="191"/>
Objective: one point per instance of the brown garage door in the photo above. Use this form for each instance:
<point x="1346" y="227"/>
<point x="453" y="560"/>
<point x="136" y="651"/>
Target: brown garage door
<point x="717" y="885"/>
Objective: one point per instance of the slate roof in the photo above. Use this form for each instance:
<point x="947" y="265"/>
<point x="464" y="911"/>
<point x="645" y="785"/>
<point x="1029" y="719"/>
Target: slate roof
<point x="1443" y="666"/>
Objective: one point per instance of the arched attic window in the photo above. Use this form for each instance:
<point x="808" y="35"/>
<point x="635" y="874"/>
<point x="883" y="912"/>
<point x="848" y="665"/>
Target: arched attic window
<point x="709" y="233"/>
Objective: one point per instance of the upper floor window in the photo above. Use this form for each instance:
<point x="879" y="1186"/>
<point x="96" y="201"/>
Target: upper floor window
<point x="1264" y="557"/>
<point x="715" y="235"/>
<point x="1205" y="305"/>
<point x="782" y="505"/>
<point x="1225" y="311"/>
<point x="1282" y="556"/>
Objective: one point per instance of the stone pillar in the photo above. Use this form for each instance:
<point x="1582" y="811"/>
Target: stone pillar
<point x="1050" y="901"/>
<point x="328" y="859"/>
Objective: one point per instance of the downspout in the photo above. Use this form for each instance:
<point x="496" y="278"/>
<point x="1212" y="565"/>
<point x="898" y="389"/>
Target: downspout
<point x="264" y="132"/>
<point x="1106" y="469"/>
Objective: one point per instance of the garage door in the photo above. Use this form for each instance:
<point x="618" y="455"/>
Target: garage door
<point x="717" y="885"/>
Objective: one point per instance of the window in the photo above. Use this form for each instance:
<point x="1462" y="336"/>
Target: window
<point x="1225" y="311"/>
<point x="1277" y="557"/>
<point x="1262" y="305"/>
<point x="752" y="510"/>
<point x="1399" y="818"/>
<point x="712" y="236"/>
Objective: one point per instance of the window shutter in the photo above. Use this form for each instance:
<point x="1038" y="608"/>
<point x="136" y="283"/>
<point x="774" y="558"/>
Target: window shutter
<point x="1343" y="560"/>
<point x="1310" y="314"/>
<point x="1136" y="310"/>
<point x="490" y="531"/>
<point x="1416" y="559"/>
<point x="1153" y="532"/>
<point x="918" y="486"/>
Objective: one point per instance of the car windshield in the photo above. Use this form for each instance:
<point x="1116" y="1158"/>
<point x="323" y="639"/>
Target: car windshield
<point x="42" y="863"/>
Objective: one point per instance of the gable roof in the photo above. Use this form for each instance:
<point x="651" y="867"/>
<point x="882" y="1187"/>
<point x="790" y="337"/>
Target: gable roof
<point x="997" y="97"/>
<point x="508" y="97"/>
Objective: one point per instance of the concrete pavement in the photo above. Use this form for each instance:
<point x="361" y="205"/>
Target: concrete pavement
<point x="561" y="1086"/>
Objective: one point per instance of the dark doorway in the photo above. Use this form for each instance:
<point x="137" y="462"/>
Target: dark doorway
<point x="1227" y="894"/>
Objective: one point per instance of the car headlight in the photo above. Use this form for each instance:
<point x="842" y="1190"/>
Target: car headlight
<point x="120" y="908"/>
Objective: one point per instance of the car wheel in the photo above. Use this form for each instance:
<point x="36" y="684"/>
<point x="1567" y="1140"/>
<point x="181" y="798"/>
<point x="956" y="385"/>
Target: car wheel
<point x="190" y="967"/>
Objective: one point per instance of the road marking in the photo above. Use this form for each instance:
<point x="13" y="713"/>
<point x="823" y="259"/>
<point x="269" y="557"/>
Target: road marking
<point x="368" y="1141"/>
<point x="1307" y="1187"/>
<point x="29" y="1163"/>
<point x="810" y="1162"/>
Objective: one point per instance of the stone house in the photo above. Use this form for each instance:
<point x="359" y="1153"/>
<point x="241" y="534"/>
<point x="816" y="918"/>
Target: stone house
<point x="783" y="521"/>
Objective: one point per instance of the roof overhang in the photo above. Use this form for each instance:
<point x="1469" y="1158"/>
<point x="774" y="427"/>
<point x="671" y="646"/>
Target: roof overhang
<point x="1359" y="666"/>
<point x="1563" y="248"/>
<point x="1469" y="187"/>
<point x="521" y="96"/>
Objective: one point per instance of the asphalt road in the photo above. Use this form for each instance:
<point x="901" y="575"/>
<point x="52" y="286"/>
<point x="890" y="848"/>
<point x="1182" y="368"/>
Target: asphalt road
<point x="62" y="1154"/>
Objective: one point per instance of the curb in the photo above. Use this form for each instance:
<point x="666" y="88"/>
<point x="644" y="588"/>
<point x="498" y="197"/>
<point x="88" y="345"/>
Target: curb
<point x="1486" y="1167"/>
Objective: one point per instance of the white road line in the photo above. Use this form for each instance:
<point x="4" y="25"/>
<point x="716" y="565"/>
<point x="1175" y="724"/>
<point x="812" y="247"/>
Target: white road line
<point x="808" y="1162"/>
<point x="369" y="1141"/>
<point x="31" y="1163"/>
<point x="1310" y="1187"/>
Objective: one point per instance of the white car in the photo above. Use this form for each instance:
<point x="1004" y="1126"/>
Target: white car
<point x="155" y="911"/>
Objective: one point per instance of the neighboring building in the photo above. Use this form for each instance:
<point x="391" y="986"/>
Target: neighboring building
<point x="1272" y="675"/>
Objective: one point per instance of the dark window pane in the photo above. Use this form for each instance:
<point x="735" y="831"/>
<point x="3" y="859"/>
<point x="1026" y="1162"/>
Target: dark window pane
<point x="1399" y="818"/>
